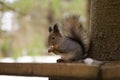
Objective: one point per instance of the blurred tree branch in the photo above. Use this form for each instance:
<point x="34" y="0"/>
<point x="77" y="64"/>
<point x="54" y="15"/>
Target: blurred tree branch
<point x="4" y="6"/>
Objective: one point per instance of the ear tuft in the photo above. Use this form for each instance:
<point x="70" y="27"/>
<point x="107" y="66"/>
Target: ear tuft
<point x="56" y="30"/>
<point x="50" y="29"/>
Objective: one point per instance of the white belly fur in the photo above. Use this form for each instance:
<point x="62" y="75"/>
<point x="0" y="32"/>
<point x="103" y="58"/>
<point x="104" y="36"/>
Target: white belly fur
<point x="66" y="56"/>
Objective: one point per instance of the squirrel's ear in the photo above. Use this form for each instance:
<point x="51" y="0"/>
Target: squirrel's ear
<point x="55" y="28"/>
<point x="50" y="29"/>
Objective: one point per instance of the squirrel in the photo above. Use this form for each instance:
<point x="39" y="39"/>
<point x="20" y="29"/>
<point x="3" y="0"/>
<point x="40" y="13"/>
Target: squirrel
<point x="73" y="44"/>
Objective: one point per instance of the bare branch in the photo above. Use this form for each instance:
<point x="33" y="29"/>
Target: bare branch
<point x="11" y="8"/>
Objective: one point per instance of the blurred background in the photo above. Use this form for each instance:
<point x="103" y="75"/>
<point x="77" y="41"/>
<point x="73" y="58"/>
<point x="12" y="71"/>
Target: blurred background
<point x="24" y="27"/>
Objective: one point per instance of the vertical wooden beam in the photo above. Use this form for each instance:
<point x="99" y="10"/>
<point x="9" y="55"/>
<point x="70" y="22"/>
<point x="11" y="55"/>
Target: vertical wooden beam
<point x="105" y="24"/>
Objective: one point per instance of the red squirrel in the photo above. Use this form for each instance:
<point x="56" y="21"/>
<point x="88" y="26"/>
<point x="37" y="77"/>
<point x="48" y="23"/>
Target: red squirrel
<point x="73" y="44"/>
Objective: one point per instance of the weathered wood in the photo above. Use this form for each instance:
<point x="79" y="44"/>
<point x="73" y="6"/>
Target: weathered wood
<point x="60" y="71"/>
<point x="50" y="70"/>
<point x="111" y="71"/>
<point x="105" y="24"/>
<point x="68" y="78"/>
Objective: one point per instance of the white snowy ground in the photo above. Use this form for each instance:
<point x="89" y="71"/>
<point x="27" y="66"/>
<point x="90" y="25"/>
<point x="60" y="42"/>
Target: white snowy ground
<point x="4" y="77"/>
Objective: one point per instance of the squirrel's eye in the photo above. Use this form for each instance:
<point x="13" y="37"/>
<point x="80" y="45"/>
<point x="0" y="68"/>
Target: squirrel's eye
<point x="53" y="37"/>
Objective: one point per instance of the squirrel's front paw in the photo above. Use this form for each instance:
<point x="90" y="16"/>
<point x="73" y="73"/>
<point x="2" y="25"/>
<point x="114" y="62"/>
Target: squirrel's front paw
<point x="60" y="61"/>
<point x="50" y="49"/>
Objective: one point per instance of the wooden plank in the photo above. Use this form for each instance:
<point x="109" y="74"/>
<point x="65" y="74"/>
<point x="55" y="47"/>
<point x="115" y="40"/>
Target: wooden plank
<point x="111" y="71"/>
<point x="49" y="70"/>
<point x="72" y="78"/>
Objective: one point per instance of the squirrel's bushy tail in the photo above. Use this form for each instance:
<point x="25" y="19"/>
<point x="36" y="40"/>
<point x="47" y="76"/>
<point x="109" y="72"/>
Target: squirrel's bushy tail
<point x="73" y="28"/>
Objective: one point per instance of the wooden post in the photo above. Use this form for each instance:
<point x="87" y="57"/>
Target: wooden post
<point x="105" y="24"/>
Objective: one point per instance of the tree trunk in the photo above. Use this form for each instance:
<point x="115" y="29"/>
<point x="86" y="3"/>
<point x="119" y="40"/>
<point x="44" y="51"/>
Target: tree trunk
<point x="105" y="24"/>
